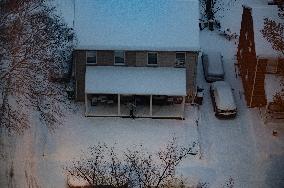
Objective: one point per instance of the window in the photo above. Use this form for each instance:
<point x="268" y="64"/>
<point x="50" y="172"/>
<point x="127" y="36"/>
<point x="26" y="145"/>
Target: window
<point x="91" y="57"/>
<point x="119" y="57"/>
<point x="180" y="58"/>
<point x="152" y="58"/>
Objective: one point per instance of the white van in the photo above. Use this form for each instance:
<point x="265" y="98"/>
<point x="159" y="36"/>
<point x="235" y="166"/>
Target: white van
<point x="223" y="100"/>
<point x="213" y="66"/>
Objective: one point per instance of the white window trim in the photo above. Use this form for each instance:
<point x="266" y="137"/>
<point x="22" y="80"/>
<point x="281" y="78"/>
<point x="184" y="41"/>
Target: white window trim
<point x="87" y="58"/>
<point x="148" y="59"/>
<point x="114" y="57"/>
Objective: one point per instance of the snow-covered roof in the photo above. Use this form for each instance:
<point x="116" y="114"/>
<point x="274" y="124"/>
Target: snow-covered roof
<point x="272" y="86"/>
<point x="135" y="80"/>
<point x="164" y="25"/>
<point x="262" y="47"/>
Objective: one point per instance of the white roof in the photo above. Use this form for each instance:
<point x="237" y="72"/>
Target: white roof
<point x="262" y="47"/>
<point x="164" y="25"/>
<point x="135" y="80"/>
<point x="224" y="99"/>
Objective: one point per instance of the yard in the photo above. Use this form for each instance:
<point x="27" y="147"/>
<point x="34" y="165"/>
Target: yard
<point x="228" y="148"/>
<point x="241" y="152"/>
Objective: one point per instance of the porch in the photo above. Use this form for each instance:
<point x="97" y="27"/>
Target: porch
<point x="148" y="92"/>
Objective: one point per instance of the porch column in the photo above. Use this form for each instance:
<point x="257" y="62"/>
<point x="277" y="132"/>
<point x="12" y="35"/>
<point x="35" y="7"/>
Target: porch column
<point x="151" y="104"/>
<point x="182" y="106"/>
<point x="118" y="104"/>
<point x="86" y="104"/>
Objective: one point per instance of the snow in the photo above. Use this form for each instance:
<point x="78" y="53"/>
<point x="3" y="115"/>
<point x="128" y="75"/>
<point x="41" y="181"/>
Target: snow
<point x="215" y="65"/>
<point x="65" y="8"/>
<point x="224" y="98"/>
<point x="242" y="148"/>
<point x="262" y="47"/>
<point x="163" y="25"/>
<point x="135" y="80"/>
<point x="272" y="85"/>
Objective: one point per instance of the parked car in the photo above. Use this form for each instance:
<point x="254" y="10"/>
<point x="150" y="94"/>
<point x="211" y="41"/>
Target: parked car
<point x="223" y="100"/>
<point x="213" y="66"/>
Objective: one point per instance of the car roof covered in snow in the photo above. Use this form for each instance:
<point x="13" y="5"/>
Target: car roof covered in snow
<point x="262" y="47"/>
<point x="224" y="98"/>
<point x="215" y="65"/>
<point x="161" y="25"/>
<point x="135" y="80"/>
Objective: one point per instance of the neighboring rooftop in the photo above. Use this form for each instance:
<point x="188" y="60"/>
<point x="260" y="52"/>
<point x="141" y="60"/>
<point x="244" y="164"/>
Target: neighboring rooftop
<point x="135" y="80"/>
<point x="262" y="47"/>
<point x="165" y="25"/>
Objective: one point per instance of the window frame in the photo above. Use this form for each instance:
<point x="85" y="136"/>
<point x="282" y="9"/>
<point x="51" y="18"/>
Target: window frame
<point x="148" y="59"/>
<point x="89" y="63"/>
<point x="177" y="59"/>
<point x="123" y="57"/>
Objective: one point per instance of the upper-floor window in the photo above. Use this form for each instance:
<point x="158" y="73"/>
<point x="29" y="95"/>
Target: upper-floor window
<point x="152" y="58"/>
<point x="119" y="57"/>
<point x="180" y="58"/>
<point x="91" y="57"/>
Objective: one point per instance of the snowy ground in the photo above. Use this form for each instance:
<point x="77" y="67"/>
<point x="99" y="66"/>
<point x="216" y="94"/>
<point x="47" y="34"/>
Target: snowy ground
<point x="243" y="148"/>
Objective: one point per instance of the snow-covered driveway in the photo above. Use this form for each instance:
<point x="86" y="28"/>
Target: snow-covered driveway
<point x="227" y="146"/>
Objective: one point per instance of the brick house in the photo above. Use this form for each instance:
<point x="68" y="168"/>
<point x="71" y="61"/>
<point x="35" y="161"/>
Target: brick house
<point x="142" y="51"/>
<point x="256" y="57"/>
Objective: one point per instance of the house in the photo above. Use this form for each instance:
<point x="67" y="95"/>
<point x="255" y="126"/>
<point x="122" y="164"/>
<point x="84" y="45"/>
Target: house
<point x="256" y="57"/>
<point x="136" y="58"/>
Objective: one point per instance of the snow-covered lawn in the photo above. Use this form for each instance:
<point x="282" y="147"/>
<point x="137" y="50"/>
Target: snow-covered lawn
<point x="50" y="151"/>
<point x="243" y="148"/>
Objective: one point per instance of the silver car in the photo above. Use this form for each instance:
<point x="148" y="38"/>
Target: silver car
<point x="223" y="100"/>
<point x="213" y="66"/>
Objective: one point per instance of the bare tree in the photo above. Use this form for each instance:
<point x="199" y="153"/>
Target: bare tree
<point x="273" y="32"/>
<point x="209" y="8"/>
<point x="96" y="168"/>
<point x="35" y="47"/>
<point x="135" y="168"/>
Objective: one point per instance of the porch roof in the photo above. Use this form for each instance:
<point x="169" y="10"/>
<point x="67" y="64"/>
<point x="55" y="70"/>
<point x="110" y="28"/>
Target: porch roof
<point x="135" y="80"/>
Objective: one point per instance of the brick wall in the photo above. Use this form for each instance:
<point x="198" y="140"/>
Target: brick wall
<point x="166" y="59"/>
<point x="80" y="70"/>
<point x="141" y="59"/>
<point x="130" y="58"/>
<point x="105" y="58"/>
<point x="251" y="70"/>
<point x="191" y="65"/>
<point x="133" y="58"/>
